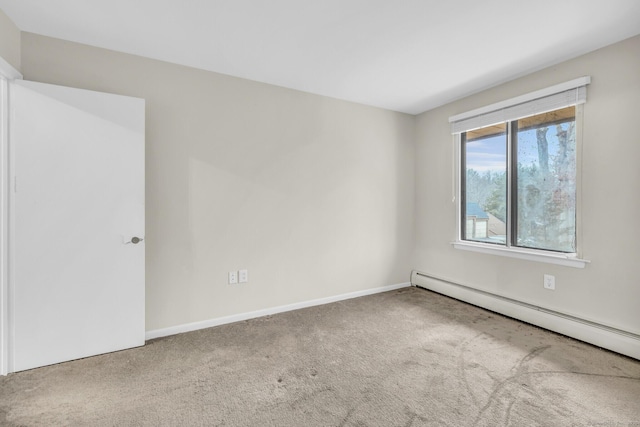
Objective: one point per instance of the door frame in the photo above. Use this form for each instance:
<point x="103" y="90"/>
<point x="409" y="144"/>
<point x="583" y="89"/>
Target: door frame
<point x="7" y="74"/>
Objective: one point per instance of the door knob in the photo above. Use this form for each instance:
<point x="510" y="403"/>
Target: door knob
<point x="135" y="240"/>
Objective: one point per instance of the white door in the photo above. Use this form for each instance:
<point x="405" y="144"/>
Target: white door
<point x="77" y="203"/>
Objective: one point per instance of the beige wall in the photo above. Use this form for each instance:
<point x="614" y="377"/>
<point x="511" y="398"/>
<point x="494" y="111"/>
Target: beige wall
<point x="9" y="41"/>
<point x="608" y="289"/>
<point x="314" y="196"/>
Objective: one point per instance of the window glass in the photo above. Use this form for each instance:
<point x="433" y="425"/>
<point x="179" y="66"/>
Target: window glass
<point x="485" y="184"/>
<point x="536" y="197"/>
<point x="546" y="181"/>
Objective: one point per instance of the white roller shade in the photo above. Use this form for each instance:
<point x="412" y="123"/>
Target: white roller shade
<point x="573" y="92"/>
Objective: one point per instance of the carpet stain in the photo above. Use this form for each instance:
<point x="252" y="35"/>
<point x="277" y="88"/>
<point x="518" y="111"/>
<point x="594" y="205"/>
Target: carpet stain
<point x="345" y="420"/>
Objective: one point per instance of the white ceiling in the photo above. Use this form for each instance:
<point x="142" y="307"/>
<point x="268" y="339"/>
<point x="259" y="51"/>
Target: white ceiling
<point x="403" y="55"/>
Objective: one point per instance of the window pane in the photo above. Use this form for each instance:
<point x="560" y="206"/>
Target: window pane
<point x="485" y="189"/>
<point x="546" y="181"/>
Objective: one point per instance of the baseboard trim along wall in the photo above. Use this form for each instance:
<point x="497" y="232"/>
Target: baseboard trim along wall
<point x="604" y="336"/>
<point x="188" y="327"/>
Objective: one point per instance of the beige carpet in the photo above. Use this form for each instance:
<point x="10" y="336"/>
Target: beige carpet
<point x="403" y="358"/>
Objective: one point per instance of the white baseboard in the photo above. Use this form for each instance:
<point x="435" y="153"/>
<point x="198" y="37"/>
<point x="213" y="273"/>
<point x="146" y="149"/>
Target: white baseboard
<point x="604" y="336"/>
<point x="188" y="327"/>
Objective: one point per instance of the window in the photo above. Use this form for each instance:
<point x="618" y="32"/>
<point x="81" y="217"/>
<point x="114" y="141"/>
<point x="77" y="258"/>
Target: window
<point x="518" y="173"/>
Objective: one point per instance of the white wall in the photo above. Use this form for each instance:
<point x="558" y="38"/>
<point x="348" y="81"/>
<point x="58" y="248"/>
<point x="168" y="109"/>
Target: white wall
<point x="607" y="291"/>
<point x="9" y="41"/>
<point x="314" y="196"/>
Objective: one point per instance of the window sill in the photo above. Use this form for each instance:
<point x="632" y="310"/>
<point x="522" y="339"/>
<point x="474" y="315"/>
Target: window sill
<point x="569" y="260"/>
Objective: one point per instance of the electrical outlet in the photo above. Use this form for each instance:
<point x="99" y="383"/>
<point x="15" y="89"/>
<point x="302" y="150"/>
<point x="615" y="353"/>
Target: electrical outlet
<point x="233" y="277"/>
<point x="243" y="276"/>
<point x="549" y="282"/>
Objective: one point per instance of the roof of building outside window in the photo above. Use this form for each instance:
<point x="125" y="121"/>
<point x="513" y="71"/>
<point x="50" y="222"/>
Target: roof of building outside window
<point x="473" y="209"/>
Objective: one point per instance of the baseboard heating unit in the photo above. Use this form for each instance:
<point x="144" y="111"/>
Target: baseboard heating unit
<point x="604" y="336"/>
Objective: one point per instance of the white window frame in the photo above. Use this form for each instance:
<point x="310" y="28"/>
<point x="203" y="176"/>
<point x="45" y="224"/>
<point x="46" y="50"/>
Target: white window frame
<point x="558" y="96"/>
